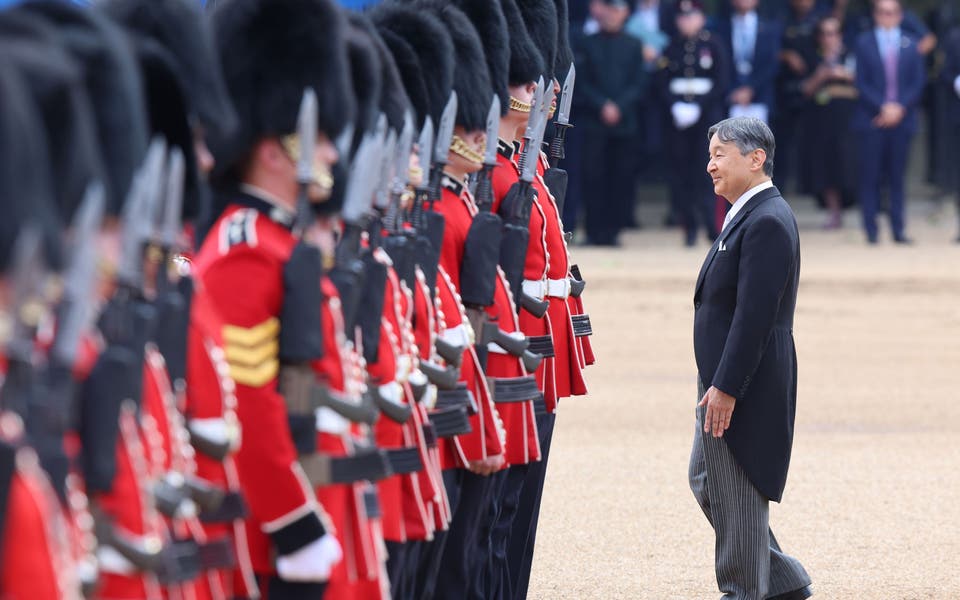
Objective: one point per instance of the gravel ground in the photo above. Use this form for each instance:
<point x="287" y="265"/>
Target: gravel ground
<point x="872" y="503"/>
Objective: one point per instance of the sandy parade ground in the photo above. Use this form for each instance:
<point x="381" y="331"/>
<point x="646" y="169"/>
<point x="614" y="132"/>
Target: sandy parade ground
<point x="872" y="505"/>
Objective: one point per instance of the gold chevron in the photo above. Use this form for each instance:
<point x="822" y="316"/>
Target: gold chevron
<point x="251" y="356"/>
<point x="251" y="336"/>
<point x="255" y="376"/>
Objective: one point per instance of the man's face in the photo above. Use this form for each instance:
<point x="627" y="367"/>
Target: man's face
<point x="476" y="142"/>
<point x="801" y="7"/>
<point x="325" y="155"/>
<point x="887" y="14"/>
<point x="690" y="24"/>
<point x="730" y="170"/>
<point x="743" y="6"/>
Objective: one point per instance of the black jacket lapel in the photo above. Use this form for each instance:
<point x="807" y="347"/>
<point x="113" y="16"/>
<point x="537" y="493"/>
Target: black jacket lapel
<point x="755" y="201"/>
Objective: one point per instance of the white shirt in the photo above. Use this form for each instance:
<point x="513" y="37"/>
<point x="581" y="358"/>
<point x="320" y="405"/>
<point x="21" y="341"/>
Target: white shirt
<point x="742" y="200"/>
<point x="744" y="37"/>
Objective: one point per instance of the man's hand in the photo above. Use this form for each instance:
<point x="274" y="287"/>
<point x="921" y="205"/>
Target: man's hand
<point x="742" y="95"/>
<point x="487" y="466"/>
<point x="794" y="61"/>
<point x="610" y="113"/>
<point x="891" y="113"/>
<point x="719" y="411"/>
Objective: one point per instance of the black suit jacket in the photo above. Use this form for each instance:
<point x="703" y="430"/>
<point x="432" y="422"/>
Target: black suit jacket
<point x="743" y="334"/>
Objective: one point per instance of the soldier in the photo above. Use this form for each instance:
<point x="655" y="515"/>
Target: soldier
<point x="692" y="82"/>
<point x="37" y="560"/>
<point x="186" y="96"/>
<point x="271" y="52"/>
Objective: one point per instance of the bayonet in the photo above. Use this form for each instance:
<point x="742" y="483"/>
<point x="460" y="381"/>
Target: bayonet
<point x="307" y="143"/>
<point x="445" y="131"/>
<point x="425" y="149"/>
<point x="484" y="189"/>
<point x="566" y="97"/>
<point x="173" y="204"/>
<point x="75" y="312"/>
<point x="401" y="168"/>
<point x="138" y="215"/>
<point x="344" y="142"/>
<point x="530" y="132"/>
<point x="382" y="196"/>
<point x="441" y="146"/>
<point x="493" y="126"/>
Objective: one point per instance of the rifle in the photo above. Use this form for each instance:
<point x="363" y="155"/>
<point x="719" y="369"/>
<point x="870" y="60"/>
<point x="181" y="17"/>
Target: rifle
<point x="555" y="178"/>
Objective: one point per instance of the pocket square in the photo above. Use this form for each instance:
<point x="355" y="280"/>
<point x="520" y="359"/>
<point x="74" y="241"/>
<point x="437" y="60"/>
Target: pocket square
<point x="722" y="247"/>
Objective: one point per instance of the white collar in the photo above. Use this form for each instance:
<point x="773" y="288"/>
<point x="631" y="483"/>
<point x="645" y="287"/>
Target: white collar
<point x="747" y="19"/>
<point x="743" y="199"/>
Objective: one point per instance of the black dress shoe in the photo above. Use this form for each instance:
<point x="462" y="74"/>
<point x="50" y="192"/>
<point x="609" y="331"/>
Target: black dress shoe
<point x="902" y="239"/>
<point x="872" y="240"/>
<point x="801" y="594"/>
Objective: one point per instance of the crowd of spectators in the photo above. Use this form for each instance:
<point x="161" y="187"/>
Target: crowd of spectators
<point x="844" y="85"/>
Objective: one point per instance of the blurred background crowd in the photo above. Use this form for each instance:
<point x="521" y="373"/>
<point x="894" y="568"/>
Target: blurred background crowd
<point x="845" y="85"/>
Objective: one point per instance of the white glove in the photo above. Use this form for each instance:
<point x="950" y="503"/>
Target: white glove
<point x="313" y="562"/>
<point x="685" y="114"/>
<point x="956" y="85"/>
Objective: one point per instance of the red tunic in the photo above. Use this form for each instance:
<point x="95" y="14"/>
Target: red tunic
<point x="37" y="561"/>
<point x="505" y="175"/>
<point x="211" y="404"/>
<point x="485" y="438"/>
<point x="518" y="419"/>
<point x="240" y="269"/>
<point x="568" y="361"/>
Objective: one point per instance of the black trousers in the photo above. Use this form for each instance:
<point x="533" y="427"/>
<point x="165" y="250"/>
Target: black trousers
<point x="500" y="587"/>
<point x="523" y="535"/>
<point x="608" y="194"/>
<point x="431" y="554"/>
<point x="691" y="190"/>
<point x="459" y="561"/>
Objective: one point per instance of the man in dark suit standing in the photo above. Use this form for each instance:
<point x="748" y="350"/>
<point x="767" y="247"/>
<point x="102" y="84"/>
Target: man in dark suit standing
<point x="890" y="82"/>
<point x="754" y="46"/>
<point x="743" y="341"/>
<point x="950" y="79"/>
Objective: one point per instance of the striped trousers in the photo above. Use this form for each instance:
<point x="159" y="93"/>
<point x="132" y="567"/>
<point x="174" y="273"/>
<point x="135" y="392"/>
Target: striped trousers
<point x="749" y="562"/>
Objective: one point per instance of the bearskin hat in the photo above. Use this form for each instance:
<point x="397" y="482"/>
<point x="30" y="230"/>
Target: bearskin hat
<point x="113" y="83"/>
<point x="394" y="101"/>
<point x="410" y="72"/>
<point x="365" y="74"/>
<point x="564" y="52"/>
<point x="427" y="36"/>
<point x="540" y="18"/>
<point x="271" y="50"/>
<point x="471" y="77"/>
<point x="526" y="62"/>
<point x="55" y="84"/>
<point x="180" y="27"/>
<point x="487" y="17"/>
<point x="26" y="196"/>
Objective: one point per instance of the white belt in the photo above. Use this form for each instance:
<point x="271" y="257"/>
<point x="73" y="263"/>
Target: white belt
<point x="496" y="349"/>
<point x="329" y="421"/>
<point x="109" y="560"/>
<point x="392" y="392"/>
<point x="536" y="288"/>
<point x="456" y="336"/>
<point x="558" y="288"/>
<point x="404" y="367"/>
<point x="691" y="86"/>
<point x="218" y="430"/>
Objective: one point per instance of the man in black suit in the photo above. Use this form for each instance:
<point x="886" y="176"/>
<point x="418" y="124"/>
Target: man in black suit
<point x="950" y="79"/>
<point x="890" y="81"/>
<point x="743" y="341"/>
<point x="753" y="43"/>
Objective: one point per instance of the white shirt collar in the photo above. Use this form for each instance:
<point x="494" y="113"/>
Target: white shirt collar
<point x="748" y="20"/>
<point x="743" y="199"/>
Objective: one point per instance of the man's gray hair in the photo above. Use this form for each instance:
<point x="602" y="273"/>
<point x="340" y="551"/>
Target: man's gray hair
<point x="748" y="134"/>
